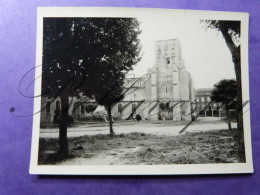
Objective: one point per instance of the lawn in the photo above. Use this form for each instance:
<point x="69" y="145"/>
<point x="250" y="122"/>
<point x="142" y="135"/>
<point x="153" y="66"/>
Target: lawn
<point x="139" y="148"/>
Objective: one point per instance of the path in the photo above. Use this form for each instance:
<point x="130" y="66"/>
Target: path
<point x="118" y="156"/>
<point x="169" y="128"/>
<point x="109" y="157"/>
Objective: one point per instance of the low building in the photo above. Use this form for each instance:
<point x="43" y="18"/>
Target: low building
<point x="204" y="106"/>
<point x="78" y="108"/>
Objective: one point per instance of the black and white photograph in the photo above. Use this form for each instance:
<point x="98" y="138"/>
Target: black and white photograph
<point x="141" y="91"/>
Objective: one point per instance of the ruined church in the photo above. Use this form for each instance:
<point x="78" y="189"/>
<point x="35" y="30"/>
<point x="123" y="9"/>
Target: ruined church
<point x="166" y="92"/>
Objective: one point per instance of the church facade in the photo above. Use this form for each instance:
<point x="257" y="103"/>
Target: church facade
<point x="166" y="92"/>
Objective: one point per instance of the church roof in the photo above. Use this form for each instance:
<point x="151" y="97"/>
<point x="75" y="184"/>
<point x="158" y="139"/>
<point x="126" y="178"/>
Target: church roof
<point x="134" y="82"/>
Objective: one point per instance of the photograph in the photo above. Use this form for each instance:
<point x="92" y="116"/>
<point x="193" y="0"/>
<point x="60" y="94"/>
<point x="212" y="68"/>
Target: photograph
<point x="131" y="91"/>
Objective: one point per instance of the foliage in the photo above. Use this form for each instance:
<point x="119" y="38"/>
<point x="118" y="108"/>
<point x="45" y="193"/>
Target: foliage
<point x="138" y="117"/>
<point x="91" y="108"/>
<point x="78" y="51"/>
<point x="164" y="106"/>
<point x="231" y="34"/>
<point x="85" y="55"/>
<point x="225" y="92"/>
<point x="232" y="27"/>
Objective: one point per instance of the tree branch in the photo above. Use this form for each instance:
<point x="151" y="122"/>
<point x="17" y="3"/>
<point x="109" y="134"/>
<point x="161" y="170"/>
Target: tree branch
<point x="224" y="30"/>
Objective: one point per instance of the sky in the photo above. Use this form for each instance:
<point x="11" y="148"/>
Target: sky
<point x="205" y="52"/>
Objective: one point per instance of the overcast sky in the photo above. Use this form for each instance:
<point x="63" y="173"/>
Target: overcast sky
<point x="205" y="53"/>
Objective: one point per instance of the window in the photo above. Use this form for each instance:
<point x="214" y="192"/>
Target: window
<point x="120" y="108"/>
<point x="133" y="108"/>
<point x="208" y="98"/>
<point x="208" y="108"/>
<point x="82" y="109"/>
<point x="202" y="99"/>
<point x="48" y="107"/>
<point x="168" y="60"/>
<point x="167" y="106"/>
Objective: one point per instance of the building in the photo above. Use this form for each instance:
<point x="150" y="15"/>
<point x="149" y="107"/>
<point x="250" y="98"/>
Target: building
<point x="77" y="108"/>
<point x="166" y="92"/>
<point x="205" y="107"/>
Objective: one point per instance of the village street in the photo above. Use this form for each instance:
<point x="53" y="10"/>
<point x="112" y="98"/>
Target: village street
<point x="169" y="128"/>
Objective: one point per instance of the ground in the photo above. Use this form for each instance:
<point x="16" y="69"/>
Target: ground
<point x="145" y="143"/>
<point x="170" y="128"/>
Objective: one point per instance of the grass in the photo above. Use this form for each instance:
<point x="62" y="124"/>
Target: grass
<point x="191" y="148"/>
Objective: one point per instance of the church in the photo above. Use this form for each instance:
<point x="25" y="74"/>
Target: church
<point x="166" y="92"/>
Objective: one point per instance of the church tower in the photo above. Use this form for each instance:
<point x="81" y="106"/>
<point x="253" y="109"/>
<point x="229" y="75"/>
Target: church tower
<point x="165" y="92"/>
<point x="170" y="82"/>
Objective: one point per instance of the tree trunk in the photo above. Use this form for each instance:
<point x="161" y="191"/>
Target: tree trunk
<point x="63" y="141"/>
<point x="228" y="118"/>
<point x="110" y="120"/>
<point x="235" y="52"/>
<point x="239" y="109"/>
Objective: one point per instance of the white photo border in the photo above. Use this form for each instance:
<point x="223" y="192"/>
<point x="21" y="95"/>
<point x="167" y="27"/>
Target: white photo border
<point x="175" y="169"/>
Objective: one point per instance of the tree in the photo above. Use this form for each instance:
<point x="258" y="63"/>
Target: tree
<point x="225" y="92"/>
<point x="80" y="54"/>
<point x="60" y="70"/>
<point x="121" y="50"/>
<point x="231" y="34"/>
<point x="108" y="94"/>
<point x="90" y="107"/>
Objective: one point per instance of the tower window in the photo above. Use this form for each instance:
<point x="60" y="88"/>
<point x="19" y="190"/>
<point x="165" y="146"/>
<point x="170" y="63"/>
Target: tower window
<point x="168" y="60"/>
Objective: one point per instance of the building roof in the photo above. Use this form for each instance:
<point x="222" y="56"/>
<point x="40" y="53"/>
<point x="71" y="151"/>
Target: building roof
<point x="203" y="91"/>
<point x="137" y="82"/>
<point x="176" y="39"/>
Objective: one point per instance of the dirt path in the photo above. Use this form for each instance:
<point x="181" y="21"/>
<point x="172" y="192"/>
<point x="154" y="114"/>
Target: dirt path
<point x="115" y="156"/>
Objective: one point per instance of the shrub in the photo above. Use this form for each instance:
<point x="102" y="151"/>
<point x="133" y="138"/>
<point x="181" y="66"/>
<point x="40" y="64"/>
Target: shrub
<point x="138" y="117"/>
